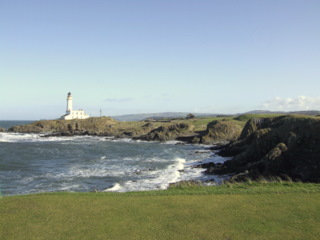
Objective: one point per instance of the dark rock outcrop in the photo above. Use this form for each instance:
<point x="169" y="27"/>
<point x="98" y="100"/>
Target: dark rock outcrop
<point x="166" y="133"/>
<point x="255" y="124"/>
<point x="2" y="130"/>
<point x="282" y="146"/>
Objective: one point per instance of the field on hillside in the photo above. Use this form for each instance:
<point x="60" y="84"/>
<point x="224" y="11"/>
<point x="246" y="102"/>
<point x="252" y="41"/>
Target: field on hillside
<point x="229" y="212"/>
<point x="200" y="123"/>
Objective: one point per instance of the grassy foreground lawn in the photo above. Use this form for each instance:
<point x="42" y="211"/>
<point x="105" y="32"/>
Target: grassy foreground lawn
<point x="240" y="211"/>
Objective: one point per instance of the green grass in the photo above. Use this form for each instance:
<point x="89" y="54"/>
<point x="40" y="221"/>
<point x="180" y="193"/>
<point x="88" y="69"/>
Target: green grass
<point x="246" y="117"/>
<point x="201" y="123"/>
<point x="282" y="210"/>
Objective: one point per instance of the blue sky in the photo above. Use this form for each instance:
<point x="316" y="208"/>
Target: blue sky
<point x="139" y="56"/>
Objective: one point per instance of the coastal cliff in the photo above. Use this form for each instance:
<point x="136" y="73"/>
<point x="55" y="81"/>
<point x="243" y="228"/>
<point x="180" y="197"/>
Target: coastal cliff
<point x="284" y="146"/>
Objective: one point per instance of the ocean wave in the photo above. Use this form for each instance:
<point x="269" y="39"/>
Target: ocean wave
<point x="115" y="188"/>
<point x="18" y="137"/>
<point x="156" y="180"/>
<point x="172" y="142"/>
<point x="40" y="137"/>
<point x="86" y="163"/>
<point x="127" y="140"/>
<point x="30" y="137"/>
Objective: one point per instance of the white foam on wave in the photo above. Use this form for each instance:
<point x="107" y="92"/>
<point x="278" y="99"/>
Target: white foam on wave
<point x="69" y="187"/>
<point x="215" y="159"/>
<point x="180" y="170"/>
<point x="172" y="142"/>
<point x="27" y="180"/>
<point x="127" y="140"/>
<point x="115" y="188"/>
<point x="156" y="180"/>
<point x="40" y="137"/>
<point x="124" y="140"/>
<point x="156" y="159"/>
<point x="18" y="137"/>
<point x="86" y="173"/>
<point x="176" y="168"/>
<point x="30" y="137"/>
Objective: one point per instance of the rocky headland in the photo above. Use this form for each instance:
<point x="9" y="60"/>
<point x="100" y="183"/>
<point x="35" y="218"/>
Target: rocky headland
<point x="282" y="147"/>
<point x="203" y="131"/>
<point x="91" y="126"/>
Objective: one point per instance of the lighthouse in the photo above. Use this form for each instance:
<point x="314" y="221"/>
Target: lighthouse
<point x="70" y="113"/>
<point x="69" y="103"/>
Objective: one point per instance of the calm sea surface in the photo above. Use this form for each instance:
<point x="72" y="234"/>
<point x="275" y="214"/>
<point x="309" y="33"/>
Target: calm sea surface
<point x="30" y="163"/>
<point x="7" y="124"/>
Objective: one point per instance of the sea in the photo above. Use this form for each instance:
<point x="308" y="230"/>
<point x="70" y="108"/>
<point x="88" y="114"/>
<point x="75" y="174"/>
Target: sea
<point x="31" y="163"/>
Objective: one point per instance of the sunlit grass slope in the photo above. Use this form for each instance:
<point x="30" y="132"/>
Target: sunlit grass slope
<point x="239" y="211"/>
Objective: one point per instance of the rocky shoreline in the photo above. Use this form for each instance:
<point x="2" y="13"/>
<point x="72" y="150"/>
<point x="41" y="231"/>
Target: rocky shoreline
<point x="282" y="147"/>
<point x="180" y="130"/>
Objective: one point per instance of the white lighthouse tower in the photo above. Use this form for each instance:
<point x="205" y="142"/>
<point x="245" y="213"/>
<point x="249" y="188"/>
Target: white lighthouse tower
<point x="71" y="114"/>
<point x="69" y="103"/>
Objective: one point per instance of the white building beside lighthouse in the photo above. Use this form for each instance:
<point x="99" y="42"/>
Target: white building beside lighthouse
<point x="71" y="114"/>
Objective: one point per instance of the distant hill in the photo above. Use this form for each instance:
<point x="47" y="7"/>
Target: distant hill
<point x="309" y="112"/>
<point x="263" y="112"/>
<point x="143" y="116"/>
